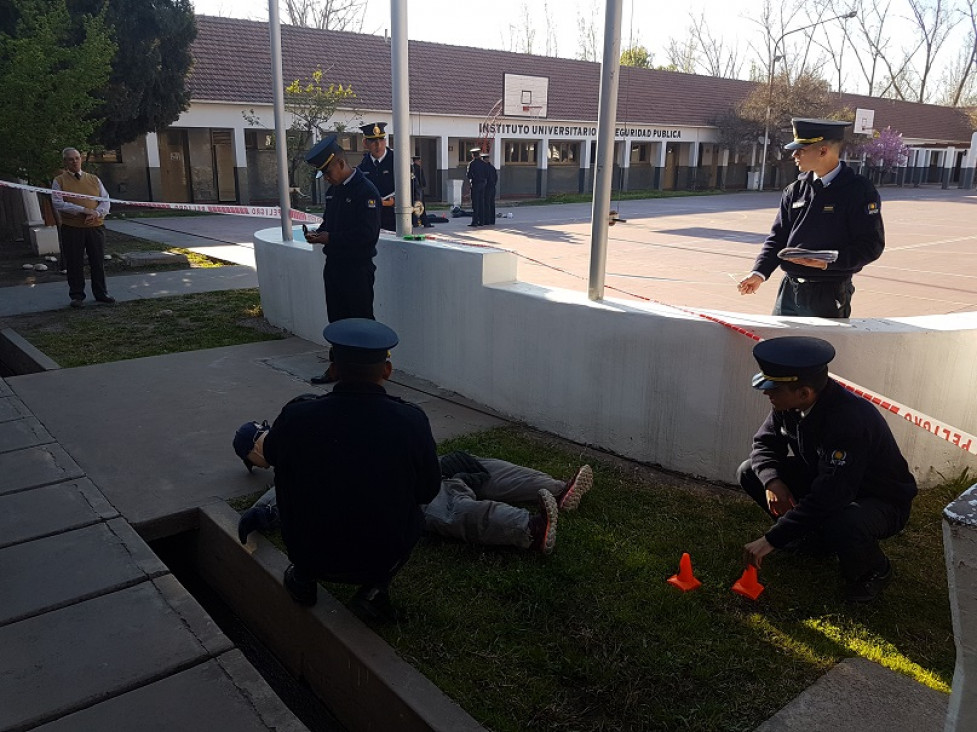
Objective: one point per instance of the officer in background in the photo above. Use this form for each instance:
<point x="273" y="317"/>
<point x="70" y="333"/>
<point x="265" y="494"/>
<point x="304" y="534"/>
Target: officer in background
<point x="378" y="166"/>
<point x="491" y="186"/>
<point x="829" y="207"/>
<point x="418" y="184"/>
<point x="825" y="467"/>
<point x="478" y="179"/>
<point x="348" y="235"/>
<point x="352" y="470"/>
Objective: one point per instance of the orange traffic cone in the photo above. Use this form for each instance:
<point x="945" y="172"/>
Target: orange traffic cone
<point x="684" y="580"/>
<point x="747" y="585"/>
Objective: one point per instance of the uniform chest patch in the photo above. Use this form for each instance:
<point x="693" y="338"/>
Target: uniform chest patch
<point x="838" y="458"/>
<point x="371" y="203"/>
<point x="873" y="209"/>
<point x="828" y="209"/>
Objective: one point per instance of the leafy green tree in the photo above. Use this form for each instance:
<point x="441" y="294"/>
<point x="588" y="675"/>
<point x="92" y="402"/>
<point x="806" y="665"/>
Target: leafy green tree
<point x="636" y="56"/>
<point x="49" y="77"/>
<point x="312" y="105"/>
<point x="147" y="89"/>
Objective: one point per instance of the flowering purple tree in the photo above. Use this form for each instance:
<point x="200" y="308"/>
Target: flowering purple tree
<point x="885" y="151"/>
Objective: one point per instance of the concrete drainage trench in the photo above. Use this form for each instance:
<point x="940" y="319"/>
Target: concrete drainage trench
<point x="177" y="553"/>
<point x="326" y="665"/>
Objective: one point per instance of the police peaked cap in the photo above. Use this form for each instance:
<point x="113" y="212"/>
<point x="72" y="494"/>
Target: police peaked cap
<point x="374" y="130"/>
<point x="790" y="359"/>
<point x="811" y="131"/>
<point x="360" y="340"/>
<point x="324" y="153"/>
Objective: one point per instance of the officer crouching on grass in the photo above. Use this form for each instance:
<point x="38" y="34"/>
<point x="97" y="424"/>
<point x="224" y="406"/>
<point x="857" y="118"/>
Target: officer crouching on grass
<point x="825" y="467"/>
<point x="352" y="470"/>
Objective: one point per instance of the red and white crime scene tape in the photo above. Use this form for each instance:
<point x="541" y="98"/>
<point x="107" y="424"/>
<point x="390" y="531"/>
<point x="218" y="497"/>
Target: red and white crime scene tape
<point x="953" y="435"/>
<point x="957" y="437"/>
<point x="261" y="212"/>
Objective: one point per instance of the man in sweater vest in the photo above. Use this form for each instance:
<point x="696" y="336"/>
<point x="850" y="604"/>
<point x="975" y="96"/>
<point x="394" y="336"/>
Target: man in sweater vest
<point x="82" y="231"/>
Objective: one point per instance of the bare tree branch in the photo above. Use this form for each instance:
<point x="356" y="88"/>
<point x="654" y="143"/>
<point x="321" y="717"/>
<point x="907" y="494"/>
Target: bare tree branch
<point x="340" y="15"/>
<point x="934" y="21"/>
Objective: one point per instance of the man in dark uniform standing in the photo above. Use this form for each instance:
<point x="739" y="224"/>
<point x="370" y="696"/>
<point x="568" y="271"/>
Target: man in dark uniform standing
<point x="825" y="467"/>
<point x="378" y="166"/>
<point x="478" y="178"/>
<point x="419" y="184"/>
<point x="829" y="207"/>
<point x="352" y="470"/>
<point x="348" y="235"/>
<point x="491" y="185"/>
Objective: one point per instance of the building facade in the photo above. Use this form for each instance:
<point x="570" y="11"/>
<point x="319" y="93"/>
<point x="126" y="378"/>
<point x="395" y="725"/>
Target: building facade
<point x="535" y="116"/>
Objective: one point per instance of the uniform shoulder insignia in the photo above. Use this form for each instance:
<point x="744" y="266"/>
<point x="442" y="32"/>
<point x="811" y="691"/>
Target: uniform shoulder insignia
<point x="838" y="458"/>
<point x="873" y="208"/>
<point x="371" y="203"/>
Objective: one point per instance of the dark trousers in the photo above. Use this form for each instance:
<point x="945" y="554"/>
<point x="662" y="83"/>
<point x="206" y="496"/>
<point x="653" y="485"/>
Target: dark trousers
<point x="852" y="533"/>
<point x="388" y="218"/>
<point x="489" y="206"/>
<point x="379" y="579"/>
<point x="78" y="241"/>
<point x="349" y="289"/>
<point x="801" y="297"/>
<point x="478" y="204"/>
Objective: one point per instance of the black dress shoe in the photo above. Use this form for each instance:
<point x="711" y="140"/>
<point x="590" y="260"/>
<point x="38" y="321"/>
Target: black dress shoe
<point x="107" y="300"/>
<point x="372" y="604"/>
<point x="325" y="378"/>
<point x="301" y="590"/>
<point x="77" y="303"/>
<point x="869" y="586"/>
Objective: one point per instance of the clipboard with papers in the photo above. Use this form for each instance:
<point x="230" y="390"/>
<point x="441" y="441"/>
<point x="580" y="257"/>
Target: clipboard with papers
<point x="822" y="255"/>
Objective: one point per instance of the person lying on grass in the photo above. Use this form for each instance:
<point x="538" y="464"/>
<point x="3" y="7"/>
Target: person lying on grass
<point x="473" y="504"/>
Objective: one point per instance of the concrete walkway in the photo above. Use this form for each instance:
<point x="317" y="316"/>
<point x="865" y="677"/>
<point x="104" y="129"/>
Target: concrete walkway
<point x="95" y="631"/>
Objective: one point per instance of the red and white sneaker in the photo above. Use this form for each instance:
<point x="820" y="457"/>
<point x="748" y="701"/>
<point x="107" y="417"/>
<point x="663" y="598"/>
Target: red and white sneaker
<point x="582" y="482"/>
<point x="543" y="524"/>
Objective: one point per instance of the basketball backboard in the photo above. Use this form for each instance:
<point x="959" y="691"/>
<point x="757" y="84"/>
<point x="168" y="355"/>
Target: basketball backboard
<point x="525" y="96"/>
<point x="864" y="121"/>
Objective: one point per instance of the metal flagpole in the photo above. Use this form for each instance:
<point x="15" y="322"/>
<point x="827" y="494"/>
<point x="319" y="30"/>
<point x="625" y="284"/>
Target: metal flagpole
<point x="603" y="174"/>
<point x="400" y="93"/>
<point x="275" y="30"/>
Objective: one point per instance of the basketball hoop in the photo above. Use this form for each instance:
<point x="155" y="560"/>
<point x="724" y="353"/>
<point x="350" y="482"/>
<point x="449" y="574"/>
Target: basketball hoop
<point x="532" y="110"/>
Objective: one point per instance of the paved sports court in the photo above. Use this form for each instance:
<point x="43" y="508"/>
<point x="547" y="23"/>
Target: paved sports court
<point x="692" y="250"/>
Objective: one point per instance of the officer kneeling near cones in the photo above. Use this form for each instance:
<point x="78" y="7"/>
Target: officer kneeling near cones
<point x="352" y="470"/>
<point x="825" y="467"/>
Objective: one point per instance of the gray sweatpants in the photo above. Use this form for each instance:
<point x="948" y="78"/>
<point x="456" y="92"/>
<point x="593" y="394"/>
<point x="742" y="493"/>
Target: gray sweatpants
<point x="484" y="518"/>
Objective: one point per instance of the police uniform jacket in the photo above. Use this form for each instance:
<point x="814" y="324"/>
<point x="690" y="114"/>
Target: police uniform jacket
<point x="491" y="174"/>
<point x="380" y="174"/>
<point x="352" y="219"/>
<point x="477" y="173"/>
<point x="845" y="215"/>
<point x="847" y="452"/>
<point x="351" y="470"/>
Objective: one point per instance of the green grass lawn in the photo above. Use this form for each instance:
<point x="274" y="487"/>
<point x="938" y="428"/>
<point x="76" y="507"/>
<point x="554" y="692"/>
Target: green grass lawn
<point x="593" y="638"/>
<point x="100" y="334"/>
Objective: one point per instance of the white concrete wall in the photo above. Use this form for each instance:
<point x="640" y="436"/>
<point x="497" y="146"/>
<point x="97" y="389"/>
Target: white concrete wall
<point x="641" y="380"/>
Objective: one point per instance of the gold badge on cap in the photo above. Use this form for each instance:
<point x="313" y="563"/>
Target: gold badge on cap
<point x="377" y="131"/>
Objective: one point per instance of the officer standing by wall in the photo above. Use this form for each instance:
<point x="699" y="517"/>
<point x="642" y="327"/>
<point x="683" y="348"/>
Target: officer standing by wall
<point x="378" y="166"/>
<point x="829" y="207"/>
<point x="491" y="187"/>
<point x="478" y="179"/>
<point x="348" y="235"/>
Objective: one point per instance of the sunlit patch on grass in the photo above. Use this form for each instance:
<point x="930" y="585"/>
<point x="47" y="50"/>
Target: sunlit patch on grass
<point x="862" y="642"/>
